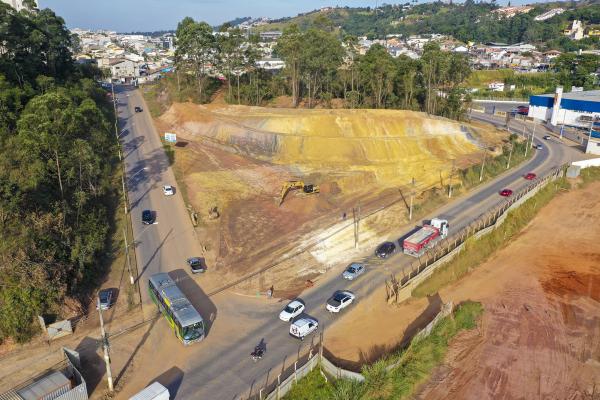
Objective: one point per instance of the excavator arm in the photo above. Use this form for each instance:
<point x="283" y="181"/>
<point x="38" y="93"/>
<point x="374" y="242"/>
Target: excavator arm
<point x="289" y="186"/>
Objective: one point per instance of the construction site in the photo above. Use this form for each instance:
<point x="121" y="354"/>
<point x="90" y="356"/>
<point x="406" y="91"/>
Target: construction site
<point x="270" y="182"/>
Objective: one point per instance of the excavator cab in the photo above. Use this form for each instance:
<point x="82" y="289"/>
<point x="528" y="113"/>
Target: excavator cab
<point x="295" y="185"/>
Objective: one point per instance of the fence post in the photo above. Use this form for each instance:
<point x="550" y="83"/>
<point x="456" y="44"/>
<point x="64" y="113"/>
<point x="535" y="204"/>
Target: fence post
<point x="278" y="385"/>
<point x="295" y="372"/>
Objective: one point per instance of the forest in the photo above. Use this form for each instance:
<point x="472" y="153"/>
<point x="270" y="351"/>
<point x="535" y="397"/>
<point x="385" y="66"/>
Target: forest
<point x="321" y="69"/>
<point x="57" y="161"/>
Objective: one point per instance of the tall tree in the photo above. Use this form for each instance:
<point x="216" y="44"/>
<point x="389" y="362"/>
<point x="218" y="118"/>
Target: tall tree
<point x="289" y="47"/>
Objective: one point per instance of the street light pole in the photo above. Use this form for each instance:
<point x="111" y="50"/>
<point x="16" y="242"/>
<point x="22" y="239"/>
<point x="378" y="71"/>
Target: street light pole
<point x="105" y="347"/>
<point x="482" y="166"/>
<point x="127" y="255"/>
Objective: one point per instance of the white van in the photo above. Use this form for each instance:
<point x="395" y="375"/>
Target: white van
<point x="303" y="327"/>
<point x="156" y="391"/>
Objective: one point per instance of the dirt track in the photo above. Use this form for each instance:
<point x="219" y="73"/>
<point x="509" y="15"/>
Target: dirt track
<point x="540" y="334"/>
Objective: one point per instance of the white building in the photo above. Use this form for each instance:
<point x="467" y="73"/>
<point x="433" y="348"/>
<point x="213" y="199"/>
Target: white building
<point x="496" y="86"/>
<point x="575" y="32"/>
<point x="17" y="4"/>
<point x="125" y="70"/>
<point x="549" y="14"/>
<point x="579" y="109"/>
<point x="271" y="64"/>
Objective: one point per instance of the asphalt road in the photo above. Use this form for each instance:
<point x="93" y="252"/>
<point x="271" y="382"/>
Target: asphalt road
<point x="165" y="245"/>
<point x="220" y="367"/>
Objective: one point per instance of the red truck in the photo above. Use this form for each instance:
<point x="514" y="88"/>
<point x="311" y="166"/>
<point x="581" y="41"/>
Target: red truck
<point x="426" y="237"/>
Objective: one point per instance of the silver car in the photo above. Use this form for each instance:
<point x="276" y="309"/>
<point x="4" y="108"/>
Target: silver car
<point x="353" y="271"/>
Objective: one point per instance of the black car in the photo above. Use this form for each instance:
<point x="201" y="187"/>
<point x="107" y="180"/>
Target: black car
<point x="147" y="217"/>
<point x="196" y="264"/>
<point x="385" y="250"/>
<point x="105" y="296"/>
<point x="138" y="109"/>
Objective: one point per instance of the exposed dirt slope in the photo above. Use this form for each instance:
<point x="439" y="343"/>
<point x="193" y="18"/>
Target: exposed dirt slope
<point x="540" y="334"/>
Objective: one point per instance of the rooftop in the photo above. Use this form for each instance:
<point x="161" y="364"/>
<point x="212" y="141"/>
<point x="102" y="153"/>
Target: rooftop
<point x="590" y="95"/>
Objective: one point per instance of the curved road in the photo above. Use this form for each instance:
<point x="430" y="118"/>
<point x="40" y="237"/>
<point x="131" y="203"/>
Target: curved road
<point x="220" y="366"/>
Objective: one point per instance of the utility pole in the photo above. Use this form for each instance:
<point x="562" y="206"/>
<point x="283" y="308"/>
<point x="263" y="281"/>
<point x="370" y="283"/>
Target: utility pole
<point x="451" y="176"/>
<point x="482" y="166"/>
<point x="127" y="255"/>
<point x="412" y="194"/>
<point x="124" y="193"/>
<point x="509" y="156"/>
<point x="105" y="346"/>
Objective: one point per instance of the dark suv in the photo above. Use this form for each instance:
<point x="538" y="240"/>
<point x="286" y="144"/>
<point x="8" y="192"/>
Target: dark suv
<point x="196" y="264"/>
<point x="138" y="109"/>
<point x="147" y="217"/>
<point x="384" y="250"/>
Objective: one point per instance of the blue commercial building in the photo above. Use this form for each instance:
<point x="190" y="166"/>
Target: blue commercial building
<point x="577" y="109"/>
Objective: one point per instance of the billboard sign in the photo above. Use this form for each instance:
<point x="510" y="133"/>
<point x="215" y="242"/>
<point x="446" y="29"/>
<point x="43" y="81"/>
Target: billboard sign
<point x="170" y="137"/>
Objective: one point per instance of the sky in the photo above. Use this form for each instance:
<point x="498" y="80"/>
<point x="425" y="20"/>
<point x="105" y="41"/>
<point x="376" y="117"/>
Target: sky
<point x="154" y="15"/>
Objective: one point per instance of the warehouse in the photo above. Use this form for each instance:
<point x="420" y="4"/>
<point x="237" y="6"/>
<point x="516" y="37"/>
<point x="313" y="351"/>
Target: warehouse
<point x="577" y="109"/>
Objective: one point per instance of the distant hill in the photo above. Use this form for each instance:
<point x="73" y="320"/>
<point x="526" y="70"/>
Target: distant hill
<point x="468" y="21"/>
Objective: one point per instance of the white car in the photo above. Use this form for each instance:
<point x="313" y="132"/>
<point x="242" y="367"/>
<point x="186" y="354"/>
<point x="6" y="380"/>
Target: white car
<point x="339" y="301"/>
<point x="303" y="327"/>
<point x="291" y="311"/>
<point x="168" y="190"/>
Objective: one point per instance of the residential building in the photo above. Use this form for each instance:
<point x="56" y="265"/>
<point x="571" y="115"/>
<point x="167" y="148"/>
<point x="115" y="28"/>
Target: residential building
<point x="549" y="14"/>
<point x="575" y="32"/>
<point x="496" y="86"/>
<point x="17" y="4"/>
<point x="271" y="64"/>
<point x="123" y="69"/>
<point x="270" y="35"/>
<point x="509" y="12"/>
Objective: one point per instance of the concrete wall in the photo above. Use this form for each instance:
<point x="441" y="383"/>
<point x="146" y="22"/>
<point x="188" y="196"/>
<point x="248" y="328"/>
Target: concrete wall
<point x="594" y="162"/>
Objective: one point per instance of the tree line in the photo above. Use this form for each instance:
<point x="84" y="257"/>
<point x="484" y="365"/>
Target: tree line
<point x="320" y="67"/>
<point x="56" y="165"/>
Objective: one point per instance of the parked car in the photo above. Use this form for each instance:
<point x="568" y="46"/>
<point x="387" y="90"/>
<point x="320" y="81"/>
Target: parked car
<point x="506" y="192"/>
<point x="106" y="299"/>
<point x="303" y="327"/>
<point x="385" y="250"/>
<point x="196" y="265"/>
<point x="147" y="217"/>
<point x="353" y="271"/>
<point x="168" y="190"/>
<point x="547" y="137"/>
<point x="523" y="110"/>
<point x="530" y="176"/>
<point x="138" y="109"/>
<point x="291" y="311"/>
<point x="339" y="301"/>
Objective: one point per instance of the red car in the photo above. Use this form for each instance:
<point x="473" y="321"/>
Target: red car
<point x="530" y="176"/>
<point x="506" y="192"/>
<point x="523" y="110"/>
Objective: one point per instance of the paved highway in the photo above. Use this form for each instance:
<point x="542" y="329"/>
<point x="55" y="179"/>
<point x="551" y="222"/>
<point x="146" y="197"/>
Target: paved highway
<point x="220" y="367"/>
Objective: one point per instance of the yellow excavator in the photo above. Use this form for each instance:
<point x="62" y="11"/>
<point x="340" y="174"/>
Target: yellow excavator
<point x="294" y="185"/>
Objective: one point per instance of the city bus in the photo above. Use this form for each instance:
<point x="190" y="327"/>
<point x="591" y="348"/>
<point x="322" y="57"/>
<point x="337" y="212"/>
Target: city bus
<point x="184" y="319"/>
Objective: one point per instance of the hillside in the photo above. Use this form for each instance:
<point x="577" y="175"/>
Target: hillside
<point x="468" y="21"/>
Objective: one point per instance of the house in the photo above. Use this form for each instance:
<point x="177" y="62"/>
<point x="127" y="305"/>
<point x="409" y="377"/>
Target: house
<point x="270" y="35"/>
<point x="271" y="64"/>
<point x="460" y="49"/>
<point x="575" y="32"/>
<point x="549" y="14"/>
<point x="123" y="69"/>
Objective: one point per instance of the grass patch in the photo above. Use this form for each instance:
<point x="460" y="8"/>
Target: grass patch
<point x="312" y="386"/>
<point x="589" y="175"/>
<point x="169" y="152"/>
<point x="481" y="79"/>
<point x="476" y="251"/>
<point x="413" y="365"/>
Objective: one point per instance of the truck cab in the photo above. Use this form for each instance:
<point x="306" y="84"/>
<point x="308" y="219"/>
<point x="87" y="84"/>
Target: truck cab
<point x="442" y="225"/>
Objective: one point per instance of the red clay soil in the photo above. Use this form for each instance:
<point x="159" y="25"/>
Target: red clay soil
<point x="540" y="334"/>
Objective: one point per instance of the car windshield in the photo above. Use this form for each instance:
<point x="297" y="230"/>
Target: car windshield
<point x="289" y="309"/>
<point x="351" y="270"/>
<point x="103" y="297"/>
<point x="334" y="302"/>
<point x="339" y="297"/>
<point x="193" y="332"/>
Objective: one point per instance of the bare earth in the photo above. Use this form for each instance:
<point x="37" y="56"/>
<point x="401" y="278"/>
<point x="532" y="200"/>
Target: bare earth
<point x="540" y="333"/>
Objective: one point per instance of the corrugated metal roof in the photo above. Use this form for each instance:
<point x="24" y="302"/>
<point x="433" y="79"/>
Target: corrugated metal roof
<point x="53" y="384"/>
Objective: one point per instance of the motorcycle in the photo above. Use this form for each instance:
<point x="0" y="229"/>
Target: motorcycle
<point x="257" y="354"/>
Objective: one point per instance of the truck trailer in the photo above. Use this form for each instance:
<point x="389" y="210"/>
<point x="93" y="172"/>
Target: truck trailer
<point x="426" y="237"/>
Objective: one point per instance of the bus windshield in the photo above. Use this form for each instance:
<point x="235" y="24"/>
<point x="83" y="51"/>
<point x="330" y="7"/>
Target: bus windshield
<point x="193" y="332"/>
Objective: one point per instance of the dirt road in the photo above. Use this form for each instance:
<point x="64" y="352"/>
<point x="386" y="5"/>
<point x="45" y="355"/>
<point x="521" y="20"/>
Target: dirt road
<point x="540" y="334"/>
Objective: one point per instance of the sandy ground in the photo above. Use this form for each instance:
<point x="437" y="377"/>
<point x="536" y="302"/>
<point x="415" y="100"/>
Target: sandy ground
<point x="540" y="334"/>
<point x="236" y="158"/>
